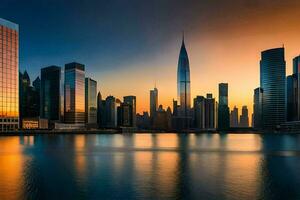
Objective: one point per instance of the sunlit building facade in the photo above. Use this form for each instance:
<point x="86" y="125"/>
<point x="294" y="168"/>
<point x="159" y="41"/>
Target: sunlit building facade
<point x="9" y="67"/>
<point x="90" y="101"/>
<point x="74" y="93"/>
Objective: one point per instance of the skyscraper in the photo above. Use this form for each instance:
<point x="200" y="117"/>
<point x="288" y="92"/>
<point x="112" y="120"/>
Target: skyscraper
<point x="257" y="108"/>
<point x="244" y="118"/>
<point x="293" y="92"/>
<point x="131" y="101"/>
<point x="234" y="117"/>
<point x="110" y="112"/>
<point x="153" y="102"/>
<point x="183" y="87"/>
<point x="74" y="93"/>
<point x="50" y="100"/>
<point x="24" y="93"/>
<point x="273" y="83"/>
<point x="9" y="68"/>
<point x="90" y="101"/>
<point x="210" y="110"/>
<point x="223" y="109"/>
<point x="100" y="110"/>
<point x="125" y="115"/>
<point x="199" y="112"/>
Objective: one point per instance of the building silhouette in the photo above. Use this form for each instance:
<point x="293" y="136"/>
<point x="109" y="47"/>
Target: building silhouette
<point x="257" y="108"/>
<point x="28" y="97"/>
<point x="273" y="84"/>
<point x="204" y="112"/>
<point x="163" y="119"/>
<point x="9" y="113"/>
<point x="131" y="102"/>
<point x="183" y="89"/>
<point x="74" y="105"/>
<point x="223" y="109"/>
<point x="100" y="110"/>
<point x="199" y="112"/>
<point x="210" y="110"/>
<point x="110" y="117"/>
<point x="244" y="118"/>
<point x="234" y="117"/>
<point x="153" y="102"/>
<point x="50" y="93"/>
<point x="293" y="92"/>
<point x="143" y="121"/>
<point x="90" y="102"/>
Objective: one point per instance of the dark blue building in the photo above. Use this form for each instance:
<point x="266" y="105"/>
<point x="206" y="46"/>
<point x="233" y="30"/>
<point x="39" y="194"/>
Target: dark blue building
<point x="273" y="83"/>
<point x="50" y="103"/>
<point x="223" y="109"/>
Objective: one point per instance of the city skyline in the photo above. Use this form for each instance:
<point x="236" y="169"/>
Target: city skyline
<point x="232" y="54"/>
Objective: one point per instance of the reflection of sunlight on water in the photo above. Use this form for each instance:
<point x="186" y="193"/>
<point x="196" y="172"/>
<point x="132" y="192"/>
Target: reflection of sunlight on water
<point x="11" y="168"/>
<point x="118" y="141"/>
<point x="150" y="166"/>
<point x="79" y="141"/>
<point x="29" y="140"/>
<point x="245" y="142"/>
<point x="142" y="140"/>
<point x="229" y="175"/>
<point x="157" y="171"/>
<point x="167" y="140"/>
<point x="80" y="165"/>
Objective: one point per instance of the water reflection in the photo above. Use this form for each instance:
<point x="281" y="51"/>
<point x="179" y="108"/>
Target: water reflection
<point x="150" y="166"/>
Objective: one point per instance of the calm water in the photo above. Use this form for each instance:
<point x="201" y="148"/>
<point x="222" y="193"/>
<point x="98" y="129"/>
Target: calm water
<point x="145" y="166"/>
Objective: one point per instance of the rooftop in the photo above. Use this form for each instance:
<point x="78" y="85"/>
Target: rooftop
<point x="9" y="24"/>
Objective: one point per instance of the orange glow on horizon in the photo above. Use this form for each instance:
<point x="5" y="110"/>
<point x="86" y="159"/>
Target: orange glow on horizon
<point x="227" y="51"/>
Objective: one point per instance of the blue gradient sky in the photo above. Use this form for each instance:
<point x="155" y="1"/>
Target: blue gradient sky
<point x="128" y="45"/>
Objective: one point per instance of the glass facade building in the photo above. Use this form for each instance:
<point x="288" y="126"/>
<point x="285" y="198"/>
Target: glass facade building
<point x="183" y="83"/>
<point x="90" y="101"/>
<point x="183" y="119"/>
<point x="293" y="92"/>
<point x="50" y="107"/>
<point x="273" y="83"/>
<point x="257" y="108"/>
<point x="74" y="105"/>
<point x="9" y="67"/>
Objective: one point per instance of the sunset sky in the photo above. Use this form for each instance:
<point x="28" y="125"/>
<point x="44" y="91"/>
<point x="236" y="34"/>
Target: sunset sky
<point x="127" y="46"/>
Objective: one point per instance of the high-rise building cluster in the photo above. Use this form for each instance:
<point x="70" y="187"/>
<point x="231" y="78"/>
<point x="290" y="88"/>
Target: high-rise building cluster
<point x="64" y="98"/>
<point x="205" y="114"/>
<point x="58" y="98"/>
<point x="67" y="99"/>
<point x="276" y="102"/>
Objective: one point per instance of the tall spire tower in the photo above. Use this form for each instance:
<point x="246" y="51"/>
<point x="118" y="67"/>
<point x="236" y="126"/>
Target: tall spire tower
<point x="183" y="83"/>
